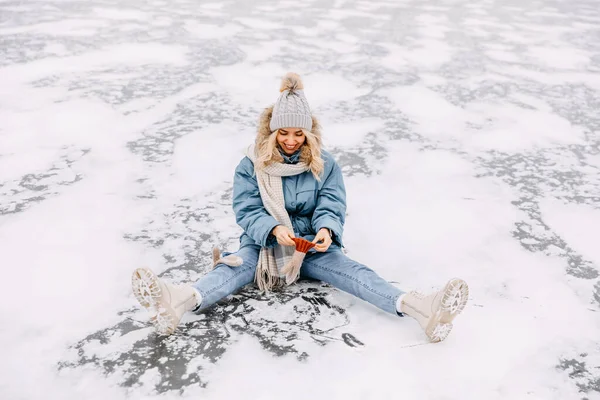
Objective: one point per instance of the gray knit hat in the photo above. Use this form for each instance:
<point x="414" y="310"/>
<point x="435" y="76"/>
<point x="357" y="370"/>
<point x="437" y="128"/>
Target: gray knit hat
<point x="291" y="109"/>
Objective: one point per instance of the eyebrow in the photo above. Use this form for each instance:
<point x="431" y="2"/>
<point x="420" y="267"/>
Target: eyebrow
<point x="284" y="131"/>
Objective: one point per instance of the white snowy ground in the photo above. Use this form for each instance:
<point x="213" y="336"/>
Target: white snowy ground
<point x="469" y="136"/>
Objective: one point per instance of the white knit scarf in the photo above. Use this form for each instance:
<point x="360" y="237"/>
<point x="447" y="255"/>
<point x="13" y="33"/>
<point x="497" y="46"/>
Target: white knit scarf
<point x="270" y="185"/>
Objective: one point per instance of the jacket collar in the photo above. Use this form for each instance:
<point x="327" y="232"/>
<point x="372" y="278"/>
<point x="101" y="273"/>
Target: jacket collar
<point x="291" y="159"/>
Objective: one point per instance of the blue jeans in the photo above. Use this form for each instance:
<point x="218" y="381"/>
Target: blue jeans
<point x="332" y="267"/>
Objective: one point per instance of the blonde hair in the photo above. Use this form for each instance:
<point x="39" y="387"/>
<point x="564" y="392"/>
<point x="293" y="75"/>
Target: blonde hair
<point x="267" y="152"/>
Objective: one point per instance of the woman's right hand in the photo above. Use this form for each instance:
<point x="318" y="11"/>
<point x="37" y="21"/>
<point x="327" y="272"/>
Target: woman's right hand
<point x="283" y="235"/>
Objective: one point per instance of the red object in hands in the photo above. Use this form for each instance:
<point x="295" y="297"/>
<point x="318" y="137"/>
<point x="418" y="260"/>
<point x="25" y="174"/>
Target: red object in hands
<point x="303" y="245"/>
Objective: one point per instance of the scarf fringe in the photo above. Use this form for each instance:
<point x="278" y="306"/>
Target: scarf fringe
<point x="267" y="282"/>
<point x="267" y="276"/>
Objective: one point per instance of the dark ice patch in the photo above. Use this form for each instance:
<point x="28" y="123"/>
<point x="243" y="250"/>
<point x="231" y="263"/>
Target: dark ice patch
<point x="586" y="377"/>
<point x="180" y="359"/>
<point x="542" y="175"/>
<point x="20" y="194"/>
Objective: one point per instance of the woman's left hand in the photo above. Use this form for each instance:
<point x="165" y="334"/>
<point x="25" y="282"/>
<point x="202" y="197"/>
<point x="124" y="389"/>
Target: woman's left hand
<point x="322" y="240"/>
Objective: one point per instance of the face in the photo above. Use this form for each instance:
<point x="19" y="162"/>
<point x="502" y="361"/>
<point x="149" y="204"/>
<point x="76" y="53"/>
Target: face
<point x="290" y="139"/>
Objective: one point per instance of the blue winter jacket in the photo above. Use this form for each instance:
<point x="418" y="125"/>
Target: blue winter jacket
<point x="311" y="204"/>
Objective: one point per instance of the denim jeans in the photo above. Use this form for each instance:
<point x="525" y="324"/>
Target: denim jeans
<point x="332" y="267"/>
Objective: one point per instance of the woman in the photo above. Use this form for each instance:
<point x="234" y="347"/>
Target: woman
<point x="288" y="187"/>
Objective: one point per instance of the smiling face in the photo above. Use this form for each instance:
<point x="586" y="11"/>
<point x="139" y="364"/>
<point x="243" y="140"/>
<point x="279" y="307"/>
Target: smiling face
<point x="290" y="139"/>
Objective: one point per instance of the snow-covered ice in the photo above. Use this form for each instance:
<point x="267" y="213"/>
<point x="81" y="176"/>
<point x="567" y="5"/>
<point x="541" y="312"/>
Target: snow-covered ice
<point x="469" y="136"/>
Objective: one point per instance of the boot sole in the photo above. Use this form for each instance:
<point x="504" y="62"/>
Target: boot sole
<point x="454" y="300"/>
<point x="148" y="293"/>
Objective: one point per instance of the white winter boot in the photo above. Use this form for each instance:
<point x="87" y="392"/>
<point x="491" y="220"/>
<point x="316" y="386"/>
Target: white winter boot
<point x="166" y="302"/>
<point x="436" y="311"/>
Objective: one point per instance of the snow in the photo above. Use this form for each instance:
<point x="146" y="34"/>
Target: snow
<point x="500" y="55"/>
<point x="560" y="57"/>
<point x="578" y="224"/>
<point x="322" y="89"/>
<point x="426" y="108"/>
<point x="350" y="134"/>
<point x="259" y="24"/>
<point x="425" y="53"/>
<point x="194" y="170"/>
<point x="76" y="27"/>
<point x="125" y="54"/>
<point x="243" y="82"/>
<point x="468" y="134"/>
<point x="506" y="127"/>
<point x="208" y="31"/>
<point x="120" y="13"/>
<point x="516" y="128"/>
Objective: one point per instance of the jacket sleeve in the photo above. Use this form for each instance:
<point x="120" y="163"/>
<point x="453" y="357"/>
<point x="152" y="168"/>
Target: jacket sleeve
<point x="250" y="213"/>
<point x="330" y="211"/>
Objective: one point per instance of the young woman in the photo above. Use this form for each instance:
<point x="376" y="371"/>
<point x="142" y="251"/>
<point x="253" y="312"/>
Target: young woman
<point x="288" y="187"/>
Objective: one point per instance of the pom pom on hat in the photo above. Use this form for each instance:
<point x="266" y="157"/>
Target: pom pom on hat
<point x="291" y="81"/>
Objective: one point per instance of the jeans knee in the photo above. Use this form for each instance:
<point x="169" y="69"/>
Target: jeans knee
<point x="249" y="256"/>
<point x="226" y="269"/>
<point x="358" y="268"/>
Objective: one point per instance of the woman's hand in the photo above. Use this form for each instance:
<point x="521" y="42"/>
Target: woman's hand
<point x="324" y="238"/>
<point x="283" y="235"/>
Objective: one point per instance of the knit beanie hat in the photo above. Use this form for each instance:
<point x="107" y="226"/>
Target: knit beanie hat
<point x="291" y="109"/>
